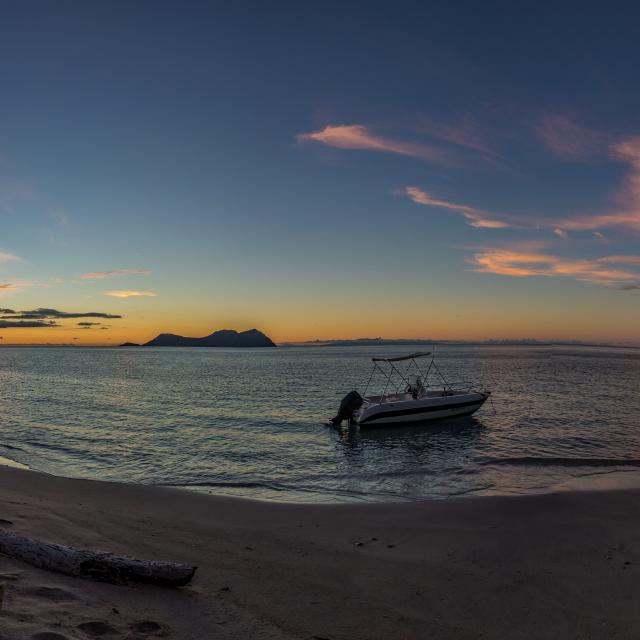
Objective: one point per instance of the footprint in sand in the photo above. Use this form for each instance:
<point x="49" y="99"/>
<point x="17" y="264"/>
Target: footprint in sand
<point x="149" y="628"/>
<point x="48" y="635"/>
<point x="97" y="628"/>
<point x="54" y="594"/>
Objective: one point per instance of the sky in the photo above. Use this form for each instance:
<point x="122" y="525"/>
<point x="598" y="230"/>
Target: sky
<point x="442" y="170"/>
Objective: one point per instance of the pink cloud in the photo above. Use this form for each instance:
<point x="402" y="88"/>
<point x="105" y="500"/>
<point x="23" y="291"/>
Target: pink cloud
<point x="628" y="217"/>
<point x="517" y="262"/>
<point x="629" y="151"/>
<point x="358" y="136"/>
<point x="475" y="217"/>
<point x="630" y="221"/>
<point x="570" y="141"/>
<point x="130" y="294"/>
<point x="103" y="275"/>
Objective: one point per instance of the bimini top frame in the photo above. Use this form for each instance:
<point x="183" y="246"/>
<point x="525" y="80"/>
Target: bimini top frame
<point x="411" y="356"/>
<point x="396" y="378"/>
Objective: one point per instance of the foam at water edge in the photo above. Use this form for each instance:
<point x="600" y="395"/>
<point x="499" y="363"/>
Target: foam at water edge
<point x="6" y="462"/>
<point x="617" y="479"/>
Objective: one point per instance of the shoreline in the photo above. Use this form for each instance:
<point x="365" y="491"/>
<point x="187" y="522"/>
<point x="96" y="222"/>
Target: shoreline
<point x="613" y="480"/>
<point x="555" y="565"/>
<point x="8" y="462"/>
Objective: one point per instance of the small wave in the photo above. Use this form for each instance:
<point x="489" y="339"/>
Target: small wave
<point x="10" y="447"/>
<point x="351" y="494"/>
<point x="234" y="485"/>
<point x="564" y="462"/>
<point x="241" y="485"/>
<point x="271" y="486"/>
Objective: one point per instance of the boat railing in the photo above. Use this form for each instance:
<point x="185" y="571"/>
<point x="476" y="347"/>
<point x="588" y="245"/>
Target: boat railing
<point x="463" y="386"/>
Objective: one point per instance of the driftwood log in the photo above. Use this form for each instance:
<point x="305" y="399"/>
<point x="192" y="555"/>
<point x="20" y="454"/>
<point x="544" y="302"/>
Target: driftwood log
<point x="105" y="567"/>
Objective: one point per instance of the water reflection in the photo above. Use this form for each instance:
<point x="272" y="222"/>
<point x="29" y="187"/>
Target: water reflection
<point x="464" y="430"/>
<point x="410" y="460"/>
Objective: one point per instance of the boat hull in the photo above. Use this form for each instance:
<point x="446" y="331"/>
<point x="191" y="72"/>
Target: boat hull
<point x="420" y="411"/>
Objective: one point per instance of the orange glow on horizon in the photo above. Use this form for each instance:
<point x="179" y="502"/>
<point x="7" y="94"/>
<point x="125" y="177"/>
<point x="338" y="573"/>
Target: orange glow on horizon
<point x="465" y="322"/>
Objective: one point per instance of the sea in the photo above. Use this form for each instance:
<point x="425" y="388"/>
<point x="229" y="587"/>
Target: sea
<point x="251" y="422"/>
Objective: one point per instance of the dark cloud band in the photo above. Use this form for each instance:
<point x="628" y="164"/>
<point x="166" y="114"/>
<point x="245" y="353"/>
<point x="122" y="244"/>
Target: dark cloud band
<point x="49" y="314"/>
<point x="22" y="324"/>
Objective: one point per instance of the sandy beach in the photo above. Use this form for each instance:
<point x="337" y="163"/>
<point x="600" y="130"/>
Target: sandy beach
<point x="564" y="565"/>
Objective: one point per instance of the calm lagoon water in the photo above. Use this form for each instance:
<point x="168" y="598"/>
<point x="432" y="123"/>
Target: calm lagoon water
<point x="249" y="422"/>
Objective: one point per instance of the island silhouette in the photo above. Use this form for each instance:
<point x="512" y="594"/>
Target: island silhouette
<point x="221" y="338"/>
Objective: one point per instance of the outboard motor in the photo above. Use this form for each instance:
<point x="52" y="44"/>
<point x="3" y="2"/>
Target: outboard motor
<point x="350" y="403"/>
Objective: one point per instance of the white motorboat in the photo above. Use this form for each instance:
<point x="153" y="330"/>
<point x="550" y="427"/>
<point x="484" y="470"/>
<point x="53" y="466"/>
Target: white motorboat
<point x="408" y="395"/>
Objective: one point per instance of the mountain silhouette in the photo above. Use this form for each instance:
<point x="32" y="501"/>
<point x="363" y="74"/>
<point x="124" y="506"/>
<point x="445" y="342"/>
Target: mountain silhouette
<point x="222" y="338"/>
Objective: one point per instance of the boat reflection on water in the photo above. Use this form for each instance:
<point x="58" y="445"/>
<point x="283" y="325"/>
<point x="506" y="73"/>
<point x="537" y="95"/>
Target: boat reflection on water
<point x="461" y="430"/>
<point x="440" y="456"/>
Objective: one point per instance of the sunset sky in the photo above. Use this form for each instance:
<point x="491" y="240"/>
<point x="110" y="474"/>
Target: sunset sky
<point x="318" y="170"/>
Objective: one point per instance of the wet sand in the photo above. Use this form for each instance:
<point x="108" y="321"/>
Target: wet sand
<point x="563" y="565"/>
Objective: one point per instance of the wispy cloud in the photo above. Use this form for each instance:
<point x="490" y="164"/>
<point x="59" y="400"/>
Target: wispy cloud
<point x="570" y="141"/>
<point x="130" y="294"/>
<point x="628" y="214"/>
<point x="43" y="313"/>
<point x="625" y="216"/>
<point x="103" y="275"/>
<point x="16" y="286"/>
<point x="357" y="136"/>
<point x="630" y="221"/>
<point x="475" y="217"/>
<point x="620" y="260"/>
<point x="520" y="262"/>
<point x="628" y="151"/>
<point x="463" y="132"/>
<point x="7" y="287"/>
<point x="9" y="257"/>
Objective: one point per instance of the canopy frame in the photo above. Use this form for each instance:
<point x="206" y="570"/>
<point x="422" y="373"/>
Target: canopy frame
<point x="404" y="375"/>
<point x="411" y="356"/>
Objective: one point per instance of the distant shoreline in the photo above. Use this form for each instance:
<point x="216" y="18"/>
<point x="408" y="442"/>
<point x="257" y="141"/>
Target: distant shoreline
<point x="336" y="344"/>
<point x="454" y="343"/>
